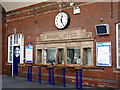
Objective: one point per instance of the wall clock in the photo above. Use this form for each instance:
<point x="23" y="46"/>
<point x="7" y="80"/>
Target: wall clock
<point x="62" y="20"/>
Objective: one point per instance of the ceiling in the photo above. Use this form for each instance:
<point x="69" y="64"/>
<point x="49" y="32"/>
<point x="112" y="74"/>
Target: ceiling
<point x="9" y="5"/>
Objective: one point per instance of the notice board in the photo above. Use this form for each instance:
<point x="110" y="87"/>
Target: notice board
<point x="103" y="53"/>
<point x="29" y="54"/>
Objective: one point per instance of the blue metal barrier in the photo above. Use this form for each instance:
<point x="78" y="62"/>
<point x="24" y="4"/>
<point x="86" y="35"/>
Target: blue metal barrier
<point x="53" y="76"/>
<point x="81" y="79"/>
<point x="29" y="76"/>
<point x="30" y="73"/>
<point x="49" y="77"/>
<point x="76" y="78"/>
<point x="64" y="85"/>
<point x="80" y="76"/>
<point x="39" y="74"/>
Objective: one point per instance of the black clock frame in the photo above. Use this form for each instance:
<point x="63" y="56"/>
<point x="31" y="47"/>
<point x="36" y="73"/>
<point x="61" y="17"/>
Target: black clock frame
<point x="68" y="23"/>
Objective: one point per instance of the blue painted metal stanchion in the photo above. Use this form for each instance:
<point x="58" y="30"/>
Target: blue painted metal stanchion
<point x="53" y="76"/>
<point x="30" y="73"/>
<point x="64" y="85"/>
<point x="81" y="79"/>
<point x="39" y="74"/>
<point x="76" y="78"/>
<point x="49" y="77"/>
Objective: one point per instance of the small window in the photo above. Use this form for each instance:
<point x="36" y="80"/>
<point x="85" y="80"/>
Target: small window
<point x="10" y="40"/>
<point x="118" y="43"/>
<point x="49" y="55"/>
<point x="87" y="60"/>
<point x="73" y="56"/>
<point x="15" y="39"/>
<point x="60" y="56"/>
<point x="39" y="56"/>
<point x="119" y="61"/>
<point x="10" y="54"/>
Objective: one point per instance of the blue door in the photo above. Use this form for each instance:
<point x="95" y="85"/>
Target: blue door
<point x="16" y="59"/>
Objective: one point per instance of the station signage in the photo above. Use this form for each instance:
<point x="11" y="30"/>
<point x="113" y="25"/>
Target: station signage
<point x="29" y="54"/>
<point x="103" y="53"/>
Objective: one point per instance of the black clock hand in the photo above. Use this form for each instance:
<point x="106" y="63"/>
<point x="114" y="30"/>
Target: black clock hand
<point x="62" y="22"/>
<point x="61" y="19"/>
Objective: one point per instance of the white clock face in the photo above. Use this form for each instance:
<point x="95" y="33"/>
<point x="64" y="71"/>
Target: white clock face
<point x="61" y="20"/>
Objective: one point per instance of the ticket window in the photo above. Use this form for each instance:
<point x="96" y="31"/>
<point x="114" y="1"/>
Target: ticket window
<point x="39" y="55"/>
<point x="73" y="56"/>
<point x="49" y="55"/>
<point x="60" y="56"/>
<point x="87" y="57"/>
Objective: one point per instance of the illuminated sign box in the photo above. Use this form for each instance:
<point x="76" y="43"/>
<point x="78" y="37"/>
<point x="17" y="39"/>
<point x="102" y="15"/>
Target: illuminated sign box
<point x="102" y="29"/>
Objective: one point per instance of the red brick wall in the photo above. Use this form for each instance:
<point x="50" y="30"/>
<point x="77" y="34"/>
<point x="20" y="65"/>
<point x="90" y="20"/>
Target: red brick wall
<point x="90" y="16"/>
<point x="2" y="35"/>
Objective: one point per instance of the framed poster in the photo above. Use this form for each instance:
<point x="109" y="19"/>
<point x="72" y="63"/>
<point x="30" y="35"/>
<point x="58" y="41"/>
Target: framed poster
<point x="29" y="54"/>
<point x="103" y="53"/>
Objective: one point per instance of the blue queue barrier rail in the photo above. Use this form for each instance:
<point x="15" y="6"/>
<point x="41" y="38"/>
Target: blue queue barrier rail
<point x="64" y="85"/>
<point x="49" y="78"/>
<point x="40" y="74"/>
<point x="29" y="73"/>
<point x="49" y="81"/>
<point x="80" y="71"/>
<point x="80" y="77"/>
<point x="76" y="79"/>
<point x="53" y="76"/>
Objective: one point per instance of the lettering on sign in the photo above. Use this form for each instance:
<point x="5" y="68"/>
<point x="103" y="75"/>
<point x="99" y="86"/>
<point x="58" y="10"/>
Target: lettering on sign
<point x="70" y="35"/>
<point x="66" y="34"/>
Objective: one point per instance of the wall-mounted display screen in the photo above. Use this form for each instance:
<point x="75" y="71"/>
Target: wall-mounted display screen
<point x="102" y="29"/>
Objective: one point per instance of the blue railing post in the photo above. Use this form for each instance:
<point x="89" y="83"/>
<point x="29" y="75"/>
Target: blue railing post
<point x="53" y="76"/>
<point x="30" y="73"/>
<point x="64" y="77"/>
<point x="76" y="78"/>
<point x="39" y="74"/>
<point x="81" y="79"/>
<point x="49" y="77"/>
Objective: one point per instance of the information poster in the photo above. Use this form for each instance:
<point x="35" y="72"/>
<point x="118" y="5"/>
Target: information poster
<point x="103" y="53"/>
<point x="29" y="54"/>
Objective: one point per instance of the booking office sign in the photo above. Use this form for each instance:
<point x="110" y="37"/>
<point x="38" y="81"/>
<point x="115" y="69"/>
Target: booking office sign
<point x="103" y="52"/>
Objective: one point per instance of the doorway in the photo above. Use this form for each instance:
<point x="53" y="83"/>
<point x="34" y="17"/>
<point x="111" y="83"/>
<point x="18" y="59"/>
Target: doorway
<point x="16" y="59"/>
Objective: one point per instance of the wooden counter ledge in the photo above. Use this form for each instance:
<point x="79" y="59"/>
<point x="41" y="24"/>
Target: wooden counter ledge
<point x="51" y="66"/>
<point x="66" y="66"/>
<point x="29" y="65"/>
